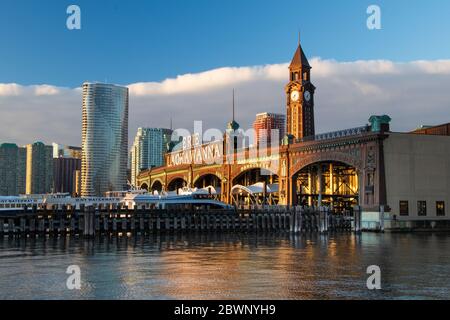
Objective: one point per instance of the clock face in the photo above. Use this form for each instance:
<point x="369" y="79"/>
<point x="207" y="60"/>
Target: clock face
<point x="307" y="95"/>
<point x="295" y="96"/>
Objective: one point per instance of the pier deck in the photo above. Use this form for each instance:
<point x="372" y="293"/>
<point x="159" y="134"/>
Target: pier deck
<point x="90" y="222"/>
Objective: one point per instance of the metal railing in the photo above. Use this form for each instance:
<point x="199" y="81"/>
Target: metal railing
<point x="336" y="134"/>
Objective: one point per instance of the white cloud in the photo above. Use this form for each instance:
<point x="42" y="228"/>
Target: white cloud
<point x="208" y="80"/>
<point x="10" y="89"/>
<point x="412" y="93"/>
<point x="46" y="90"/>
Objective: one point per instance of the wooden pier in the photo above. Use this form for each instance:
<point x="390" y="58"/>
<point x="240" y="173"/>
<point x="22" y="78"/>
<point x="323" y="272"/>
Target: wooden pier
<point x="91" y="222"/>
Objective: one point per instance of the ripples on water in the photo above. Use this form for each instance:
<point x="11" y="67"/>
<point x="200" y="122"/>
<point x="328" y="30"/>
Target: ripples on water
<point x="228" y="266"/>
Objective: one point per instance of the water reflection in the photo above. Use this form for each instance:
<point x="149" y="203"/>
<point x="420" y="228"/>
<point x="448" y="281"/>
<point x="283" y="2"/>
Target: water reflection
<point x="227" y="266"/>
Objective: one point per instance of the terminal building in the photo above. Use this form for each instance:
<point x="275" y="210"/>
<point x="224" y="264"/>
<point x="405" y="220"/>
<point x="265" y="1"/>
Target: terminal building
<point x="398" y="179"/>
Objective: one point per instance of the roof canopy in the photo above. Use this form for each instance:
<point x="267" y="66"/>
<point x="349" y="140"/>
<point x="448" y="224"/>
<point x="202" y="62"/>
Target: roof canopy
<point x="257" y="188"/>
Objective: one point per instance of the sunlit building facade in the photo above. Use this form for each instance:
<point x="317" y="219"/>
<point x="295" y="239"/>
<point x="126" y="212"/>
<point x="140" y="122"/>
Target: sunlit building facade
<point x="104" y="139"/>
<point x="268" y="125"/>
<point x="60" y="150"/>
<point x="39" y="168"/>
<point x="66" y="160"/>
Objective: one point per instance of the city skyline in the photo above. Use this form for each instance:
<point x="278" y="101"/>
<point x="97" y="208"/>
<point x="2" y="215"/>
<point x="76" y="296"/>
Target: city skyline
<point x="224" y="150"/>
<point x="371" y="76"/>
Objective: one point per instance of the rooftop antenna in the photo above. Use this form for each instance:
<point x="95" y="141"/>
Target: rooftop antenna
<point x="171" y="124"/>
<point x="233" y="105"/>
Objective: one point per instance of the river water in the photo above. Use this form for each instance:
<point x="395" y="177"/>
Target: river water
<point x="228" y="266"/>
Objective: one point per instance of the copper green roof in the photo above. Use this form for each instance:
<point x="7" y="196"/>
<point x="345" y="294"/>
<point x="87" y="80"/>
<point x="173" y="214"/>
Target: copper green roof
<point x="233" y="125"/>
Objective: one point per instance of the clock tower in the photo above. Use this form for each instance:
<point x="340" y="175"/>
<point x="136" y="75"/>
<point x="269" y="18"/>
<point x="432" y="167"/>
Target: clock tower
<point x="300" y="98"/>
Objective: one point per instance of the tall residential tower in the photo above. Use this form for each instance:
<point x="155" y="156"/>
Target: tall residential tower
<point x="268" y="126"/>
<point x="104" y="138"/>
<point x="149" y="147"/>
<point x="39" y="168"/>
<point x="12" y="169"/>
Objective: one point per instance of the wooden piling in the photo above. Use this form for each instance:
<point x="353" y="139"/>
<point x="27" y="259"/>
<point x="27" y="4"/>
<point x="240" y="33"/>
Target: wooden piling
<point x="90" y="221"/>
<point x="104" y="223"/>
<point x="158" y="223"/>
<point x="141" y="224"/>
<point x="11" y="227"/>
<point x="183" y="223"/>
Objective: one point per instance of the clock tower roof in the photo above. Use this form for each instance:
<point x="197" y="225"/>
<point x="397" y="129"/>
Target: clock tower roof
<point x="299" y="60"/>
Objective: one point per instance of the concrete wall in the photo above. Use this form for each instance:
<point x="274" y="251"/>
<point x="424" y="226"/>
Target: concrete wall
<point x="417" y="169"/>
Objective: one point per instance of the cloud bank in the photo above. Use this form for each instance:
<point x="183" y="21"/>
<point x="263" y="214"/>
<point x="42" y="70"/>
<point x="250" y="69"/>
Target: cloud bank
<point x="348" y="93"/>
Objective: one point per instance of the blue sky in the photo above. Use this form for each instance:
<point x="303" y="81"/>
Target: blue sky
<point x="135" y="40"/>
<point x="182" y="59"/>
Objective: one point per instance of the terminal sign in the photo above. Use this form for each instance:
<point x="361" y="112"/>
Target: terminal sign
<point x="196" y="153"/>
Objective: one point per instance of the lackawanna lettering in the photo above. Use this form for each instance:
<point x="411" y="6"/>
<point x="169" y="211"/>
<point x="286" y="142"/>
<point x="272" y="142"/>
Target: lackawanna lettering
<point x="247" y="309"/>
<point x="205" y="154"/>
<point x="185" y="310"/>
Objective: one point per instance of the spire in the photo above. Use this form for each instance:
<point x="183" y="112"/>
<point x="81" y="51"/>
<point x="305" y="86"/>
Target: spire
<point x="299" y="60"/>
<point x="233" y="104"/>
<point x="233" y="125"/>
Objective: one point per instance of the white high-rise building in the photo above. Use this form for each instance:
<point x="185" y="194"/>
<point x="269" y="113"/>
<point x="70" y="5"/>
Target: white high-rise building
<point x="104" y="139"/>
<point x="148" y="151"/>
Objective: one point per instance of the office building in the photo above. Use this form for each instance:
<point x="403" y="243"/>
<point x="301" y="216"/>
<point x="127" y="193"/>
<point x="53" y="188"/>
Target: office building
<point x="12" y="169"/>
<point x="64" y="174"/>
<point x="64" y="151"/>
<point x="267" y="125"/>
<point x="66" y="160"/>
<point x="77" y="183"/>
<point x="148" y="151"/>
<point x="39" y="177"/>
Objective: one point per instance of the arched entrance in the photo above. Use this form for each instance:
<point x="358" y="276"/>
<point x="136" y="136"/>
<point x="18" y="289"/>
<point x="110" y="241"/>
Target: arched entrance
<point x="208" y="180"/>
<point x="255" y="186"/>
<point x="157" y="186"/>
<point x="176" y="184"/>
<point x="211" y="183"/>
<point x="255" y="175"/>
<point x="257" y="194"/>
<point x="329" y="183"/>
<point x="144" y="186"/>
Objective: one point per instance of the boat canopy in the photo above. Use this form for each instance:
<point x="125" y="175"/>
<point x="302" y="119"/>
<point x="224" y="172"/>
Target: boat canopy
<point x="257" y="188"/>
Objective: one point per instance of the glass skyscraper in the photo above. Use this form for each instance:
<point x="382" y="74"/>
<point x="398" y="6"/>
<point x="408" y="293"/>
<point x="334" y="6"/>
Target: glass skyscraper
<point x="148" y="151"/>
<point x="104" y="139"/>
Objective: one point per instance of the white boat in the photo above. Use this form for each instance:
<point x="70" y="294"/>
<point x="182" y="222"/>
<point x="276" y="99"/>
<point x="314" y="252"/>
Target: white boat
<point x="185" y="198"/>
<point x="18" y="203"/>
<point x="198" y="199"/>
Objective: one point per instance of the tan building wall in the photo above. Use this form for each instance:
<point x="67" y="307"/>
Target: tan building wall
<point x="39" y="177"/>
<point x="417" y="169"/>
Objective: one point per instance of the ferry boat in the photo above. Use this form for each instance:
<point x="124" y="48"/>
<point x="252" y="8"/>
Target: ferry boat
<point x="184" y="198"/>
<point x="18" y="203"/>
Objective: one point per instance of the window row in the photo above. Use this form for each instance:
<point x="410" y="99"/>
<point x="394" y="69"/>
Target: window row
<point x="422" y="208"/>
